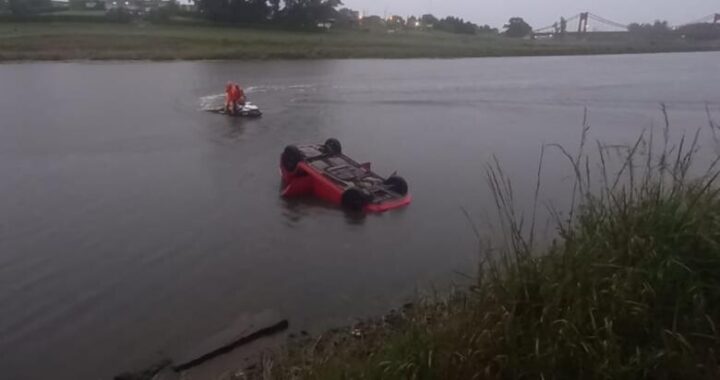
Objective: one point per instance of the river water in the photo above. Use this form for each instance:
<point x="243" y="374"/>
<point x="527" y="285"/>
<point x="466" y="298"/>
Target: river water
<point x="132" y="224"/>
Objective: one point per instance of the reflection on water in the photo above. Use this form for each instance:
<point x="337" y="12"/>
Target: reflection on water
<point x="133" y="223"/>
<point x="355" y="218"/>
<point x="297" y="209"/>
<point x="234" y="128"/>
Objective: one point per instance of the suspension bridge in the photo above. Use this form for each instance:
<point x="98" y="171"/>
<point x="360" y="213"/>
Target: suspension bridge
<point x="601" y="24"/>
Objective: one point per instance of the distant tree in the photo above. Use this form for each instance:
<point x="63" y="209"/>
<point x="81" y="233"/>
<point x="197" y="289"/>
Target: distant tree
<point x="247" y="11"/>
<point x="119" y="15"/>
<point x="347" y="18"/>
<point x="250" y="11"/>
<point x="308" y="13"/>
<point x="163" y="12"/>
<point x="428" y="20"/>
<point x="517" y="27"/>
<point x="635" y="28"/>
<point x="456" y="25"/>
<point x="77" y="4"/>
<point x="659" y="28"/>
<point x="705" y="31"/>
<point x="26" y="7"/>
<point x="487" y="29"/>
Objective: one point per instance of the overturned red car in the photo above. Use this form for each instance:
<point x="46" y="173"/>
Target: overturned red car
<point x="325" y="172"/>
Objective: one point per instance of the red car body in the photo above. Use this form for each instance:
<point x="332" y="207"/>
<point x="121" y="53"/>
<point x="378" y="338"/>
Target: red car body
<point x="324" y="172"/>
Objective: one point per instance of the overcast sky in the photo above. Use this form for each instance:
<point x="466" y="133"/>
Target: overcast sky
<point x="543" y="12"/>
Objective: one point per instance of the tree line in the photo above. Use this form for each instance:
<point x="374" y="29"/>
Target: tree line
<point x="25" y="7"/>
<point x="451" y="24"/>
<point x="295" y="12"/>
<point x="312" y="13"/>
<point x="662" y="29"/>
<point x="299" y="13"/>
<point x="309" y="13"/>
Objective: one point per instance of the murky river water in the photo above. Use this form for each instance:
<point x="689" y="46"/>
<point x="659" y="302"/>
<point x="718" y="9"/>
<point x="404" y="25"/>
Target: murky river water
<point x="132" y="224"/>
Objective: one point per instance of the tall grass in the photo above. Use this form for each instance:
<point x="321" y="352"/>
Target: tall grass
<point x="630" y="289"/>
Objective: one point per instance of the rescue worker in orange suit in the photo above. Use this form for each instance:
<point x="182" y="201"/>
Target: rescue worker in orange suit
<point x="230" y="98"/>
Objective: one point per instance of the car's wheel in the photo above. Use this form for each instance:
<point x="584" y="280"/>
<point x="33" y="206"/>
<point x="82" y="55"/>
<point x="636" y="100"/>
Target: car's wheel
<point x="354" y="199"/>
<point x="291" y="157"/>
<point x="333" y="146"/>
<point x="397" y="184"/>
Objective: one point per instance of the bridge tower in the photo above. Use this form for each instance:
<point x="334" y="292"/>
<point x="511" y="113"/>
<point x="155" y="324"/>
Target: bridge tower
<point x="717" y="18"/>
<point x="582" y="25"/>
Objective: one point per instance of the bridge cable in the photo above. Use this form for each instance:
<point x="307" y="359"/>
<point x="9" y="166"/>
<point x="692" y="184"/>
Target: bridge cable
<point x="707" y="18"/>
<point x="607" y="22"/>
<point x="551" y="27"/>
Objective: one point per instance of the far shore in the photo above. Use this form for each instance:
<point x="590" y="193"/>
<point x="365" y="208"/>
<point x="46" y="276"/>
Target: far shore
<point x="68" y="40"/>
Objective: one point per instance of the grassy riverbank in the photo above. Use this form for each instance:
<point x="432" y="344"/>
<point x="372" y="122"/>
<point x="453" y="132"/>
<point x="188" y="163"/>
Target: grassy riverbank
<point x="630" y="290"/>
<point x="62" y="40"/>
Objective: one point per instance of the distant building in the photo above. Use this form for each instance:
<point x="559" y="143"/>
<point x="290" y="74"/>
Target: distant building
<point x="413" y="22"/>
<point x="326" y="24"/>
<point x="372" y="22"/>
<point x="395" y="22"/>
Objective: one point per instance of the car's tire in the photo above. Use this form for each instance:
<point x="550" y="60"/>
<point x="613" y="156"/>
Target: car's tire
<point x="333" y="146"/>
<point x="397" y="184"/>
<point x="354" y="199"/>
<point x="291" y="157"/>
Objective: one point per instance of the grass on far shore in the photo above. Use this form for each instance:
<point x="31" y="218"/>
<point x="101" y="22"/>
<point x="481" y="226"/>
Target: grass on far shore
<point x="630" y="289"/>
<point x="90" y="40"/>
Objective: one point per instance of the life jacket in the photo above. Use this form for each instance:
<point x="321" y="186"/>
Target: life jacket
<point x="233" y="93"/>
